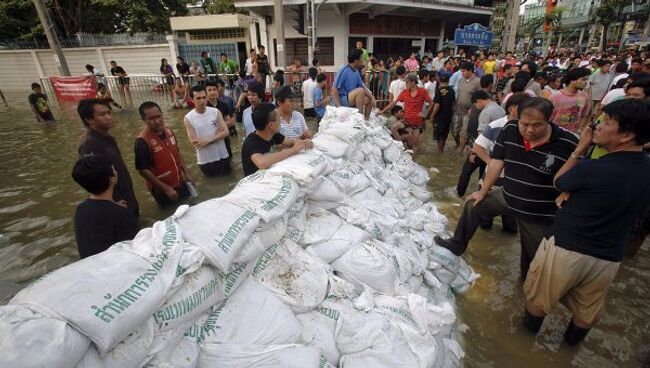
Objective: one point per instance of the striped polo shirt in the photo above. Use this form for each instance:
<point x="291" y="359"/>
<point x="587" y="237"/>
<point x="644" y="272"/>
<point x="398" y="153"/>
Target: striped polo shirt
<point x="528" y="175"/>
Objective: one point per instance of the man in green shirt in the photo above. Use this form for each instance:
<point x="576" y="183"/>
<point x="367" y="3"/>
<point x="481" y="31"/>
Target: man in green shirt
<point x="365" y="56"/>
<point x="208" y="64"/>
<point x="227" y="66"/>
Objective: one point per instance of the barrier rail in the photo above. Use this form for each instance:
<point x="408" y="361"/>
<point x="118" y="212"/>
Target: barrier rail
<point x="141" y="86"/>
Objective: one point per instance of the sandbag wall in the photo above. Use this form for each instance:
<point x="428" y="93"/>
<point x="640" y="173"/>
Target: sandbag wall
<point x="326" y="259"/>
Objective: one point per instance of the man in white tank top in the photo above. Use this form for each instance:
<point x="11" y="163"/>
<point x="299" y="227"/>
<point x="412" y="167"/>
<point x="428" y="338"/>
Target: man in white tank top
<point x="207" y="130"/>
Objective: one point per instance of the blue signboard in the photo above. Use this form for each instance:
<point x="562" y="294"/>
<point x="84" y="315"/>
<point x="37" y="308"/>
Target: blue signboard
<point x="473" y="35"/>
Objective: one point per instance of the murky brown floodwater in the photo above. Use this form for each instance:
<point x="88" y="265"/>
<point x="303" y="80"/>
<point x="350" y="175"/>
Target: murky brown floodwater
<point x="38" y="197"/>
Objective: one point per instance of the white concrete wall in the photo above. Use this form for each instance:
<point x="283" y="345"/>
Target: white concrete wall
<point x="330" y="24"/>
<point x="30" y="65"/>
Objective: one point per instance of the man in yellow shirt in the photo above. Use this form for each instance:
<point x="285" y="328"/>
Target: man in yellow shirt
<point x="490" y="64"/>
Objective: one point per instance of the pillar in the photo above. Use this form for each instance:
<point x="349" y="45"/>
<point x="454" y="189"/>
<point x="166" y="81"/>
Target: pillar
<point x="37" y="63"/>
<point x="172" y="40"/>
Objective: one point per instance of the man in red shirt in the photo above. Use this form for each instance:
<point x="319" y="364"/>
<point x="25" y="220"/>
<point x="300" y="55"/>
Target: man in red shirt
<point x="413" y="98"/>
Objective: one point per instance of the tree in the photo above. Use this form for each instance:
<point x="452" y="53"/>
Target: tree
<point x="220" y="6"/>
<point x="608" y="13"/>
<point x="18" y="20"/>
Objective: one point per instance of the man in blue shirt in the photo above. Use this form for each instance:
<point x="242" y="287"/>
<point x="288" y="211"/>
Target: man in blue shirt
<point x="349" y="89"/>
<point x="318" y="98"/>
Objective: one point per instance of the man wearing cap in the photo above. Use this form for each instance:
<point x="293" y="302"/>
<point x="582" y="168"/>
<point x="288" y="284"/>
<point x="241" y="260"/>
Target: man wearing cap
<point x="292" y="123"/>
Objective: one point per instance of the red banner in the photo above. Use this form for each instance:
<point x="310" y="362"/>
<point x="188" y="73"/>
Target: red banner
<point x="74" y="88"/>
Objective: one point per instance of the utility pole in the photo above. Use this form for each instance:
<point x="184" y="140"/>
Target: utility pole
<point x="278" y="10"/>
<point x="512" y="21"/>
<point x="52" y="39"/>
<point x="309" y="19"/>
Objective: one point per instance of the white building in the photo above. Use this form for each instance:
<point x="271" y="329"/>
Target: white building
<point x="387" y="28"/>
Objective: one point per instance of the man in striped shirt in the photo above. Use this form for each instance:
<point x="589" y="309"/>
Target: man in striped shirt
<point x="530" y="152"/>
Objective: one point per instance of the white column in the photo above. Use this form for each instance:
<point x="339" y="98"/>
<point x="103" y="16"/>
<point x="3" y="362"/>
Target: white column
<point x="423" y="42"/>
<point x="37" y="63"/>
<point x="441" y="37"/>
<point x="173" y="48"/>
<point x="102" y="61"/>
<point x="370" y="44"/>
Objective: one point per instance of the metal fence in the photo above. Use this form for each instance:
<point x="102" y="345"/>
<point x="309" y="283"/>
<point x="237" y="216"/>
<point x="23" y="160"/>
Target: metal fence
<point x="88" y="40"/>
<point x="140" y="87"/>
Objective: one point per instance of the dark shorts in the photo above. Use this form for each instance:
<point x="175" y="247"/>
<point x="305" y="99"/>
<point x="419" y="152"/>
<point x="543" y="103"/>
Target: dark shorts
<point x="310" y="113"/>
<point x="216" y="168"/>
<point x="441" y="131"/>
<point x="47" y="115"/>
<point x="164" y="201"/>
<point x="226" y="141"/>
<point x="123" y="81"/>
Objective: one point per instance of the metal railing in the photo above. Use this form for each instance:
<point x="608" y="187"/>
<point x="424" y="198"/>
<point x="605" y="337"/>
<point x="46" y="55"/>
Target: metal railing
<point x="140" y="87"/>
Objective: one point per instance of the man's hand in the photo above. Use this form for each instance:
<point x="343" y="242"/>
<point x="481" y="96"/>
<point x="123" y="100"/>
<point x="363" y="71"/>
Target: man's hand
<point x="586" y="140"/>
<point x="301" y="144"/>
<point x="122" y="203"/>
<point x="563" y="197"/>
<point x="171" y="193"/>
<point x="477" y="197"/>
<point x="200" y="143"/>
<point x="472" y="157"/>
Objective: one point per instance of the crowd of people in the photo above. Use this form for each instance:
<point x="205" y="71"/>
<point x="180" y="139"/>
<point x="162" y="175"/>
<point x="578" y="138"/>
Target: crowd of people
<point x="561" y="144"/>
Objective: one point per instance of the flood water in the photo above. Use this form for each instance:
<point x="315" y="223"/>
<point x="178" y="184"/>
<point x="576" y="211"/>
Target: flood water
<point x="38" y="198"/>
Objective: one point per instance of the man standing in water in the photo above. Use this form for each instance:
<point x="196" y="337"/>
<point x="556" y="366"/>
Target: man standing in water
<point x="99" y="221"/>
<point x="207" y="130"/>
<point x="39" y="105"/>
<point x="98" y="120"/>
<point x="530" y="152"/>
<point x="580" y="254"/>
<point x="158" y="158"/>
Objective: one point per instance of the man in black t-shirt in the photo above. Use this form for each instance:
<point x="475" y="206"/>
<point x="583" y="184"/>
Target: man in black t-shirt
<point x="255" y="150"/>
<point x="529" y="152"/>
<point x="98" y="120"/>
<point x="100" y="222"/>
<point x="38" y="104"/>
<point x="122" y="79"/>
<point x="443" y="110"/>
<point x="262" y="62"/>
<point x="580" y="254"/>
<point x="212" y="92"/>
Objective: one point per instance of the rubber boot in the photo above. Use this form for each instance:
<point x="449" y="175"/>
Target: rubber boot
<point x="533" y="323"/>
<point x="575" y="334"/>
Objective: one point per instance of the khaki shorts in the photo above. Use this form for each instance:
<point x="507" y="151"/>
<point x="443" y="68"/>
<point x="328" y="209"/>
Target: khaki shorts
<point x="577" y="280"/>
<point x="459" y="124"/>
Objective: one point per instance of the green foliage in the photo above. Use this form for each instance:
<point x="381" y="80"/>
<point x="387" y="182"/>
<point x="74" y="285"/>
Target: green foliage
<point x="17" y="19"/>
<point x="611" y="11"/>
<point x="221" y="7"/>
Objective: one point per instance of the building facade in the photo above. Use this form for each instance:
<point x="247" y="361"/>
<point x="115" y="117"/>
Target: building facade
<point x="387" y="29"/>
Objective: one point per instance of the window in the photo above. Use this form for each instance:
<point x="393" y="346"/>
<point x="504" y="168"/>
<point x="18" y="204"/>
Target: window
<point x="216" y="34"/>
<point x="298" y="48"/>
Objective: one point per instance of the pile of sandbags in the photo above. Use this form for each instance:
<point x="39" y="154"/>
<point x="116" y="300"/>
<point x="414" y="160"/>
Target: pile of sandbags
<point x="326" y="259"/>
